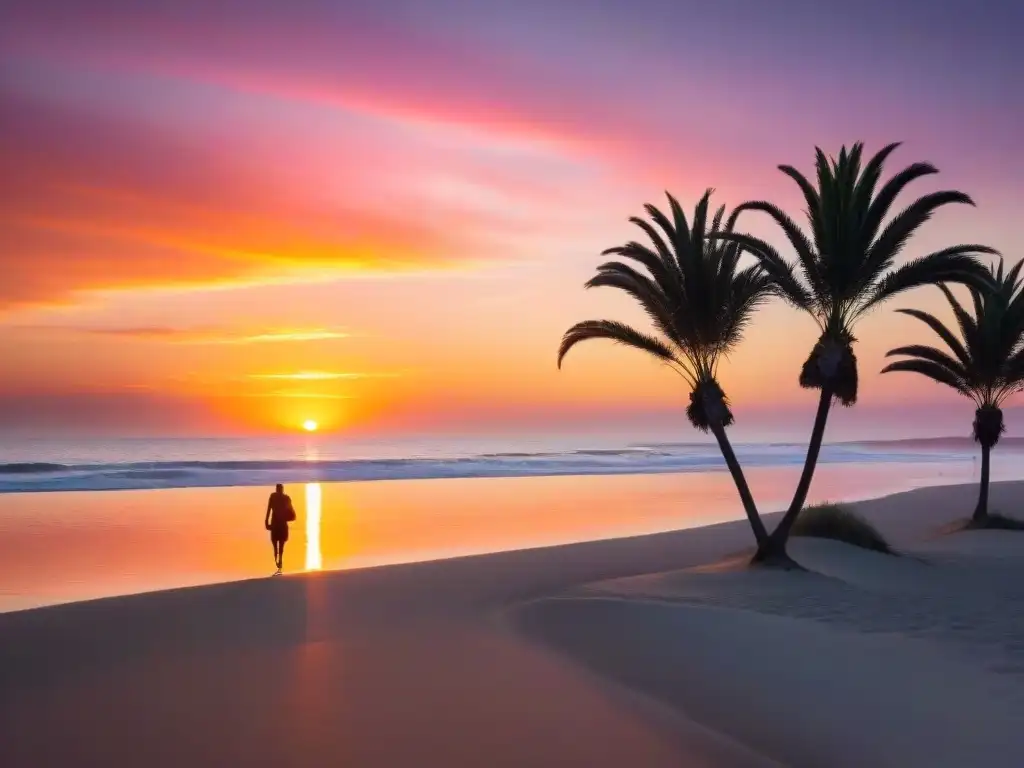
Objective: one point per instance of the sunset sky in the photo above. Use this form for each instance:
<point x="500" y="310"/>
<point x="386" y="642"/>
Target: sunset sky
<point x="229" y="217"/>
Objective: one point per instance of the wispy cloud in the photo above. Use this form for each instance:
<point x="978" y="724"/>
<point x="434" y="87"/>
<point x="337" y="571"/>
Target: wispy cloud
<point x="174" y="335"/>
<point x="110" y="207"/>
<point x="321" y="376"/>
<point x="299" y="395"/>
<point x="314" y="335"/>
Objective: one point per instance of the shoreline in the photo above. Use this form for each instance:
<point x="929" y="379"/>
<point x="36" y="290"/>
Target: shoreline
<point x="359" y="658"/>
<point x="740" y="521"/>
<point x="167" y="474"/>
<point x="432" y="557"/>
<point x="483" y="475"/>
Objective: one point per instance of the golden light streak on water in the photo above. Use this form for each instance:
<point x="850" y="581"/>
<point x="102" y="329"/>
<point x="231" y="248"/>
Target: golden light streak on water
<point x="314" y="558"/>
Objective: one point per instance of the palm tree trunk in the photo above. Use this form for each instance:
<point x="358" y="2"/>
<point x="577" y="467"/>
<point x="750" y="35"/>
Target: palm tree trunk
<point x="775" y="547"/>
<point x="760" y="532"/>
<point x="981" y="511"/>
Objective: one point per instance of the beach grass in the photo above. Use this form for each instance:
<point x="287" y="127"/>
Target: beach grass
<point x="840" y="522"/>
<point x="995" y="521"/>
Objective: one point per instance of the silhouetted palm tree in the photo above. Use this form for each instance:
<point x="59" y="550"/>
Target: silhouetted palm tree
<point x="699" y="303"/>
<point x="986" y="364"/>
<point x="845" y="267"/>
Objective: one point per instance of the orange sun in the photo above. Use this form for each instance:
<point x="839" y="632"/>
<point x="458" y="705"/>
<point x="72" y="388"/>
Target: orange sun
<point x="309" y="425"/>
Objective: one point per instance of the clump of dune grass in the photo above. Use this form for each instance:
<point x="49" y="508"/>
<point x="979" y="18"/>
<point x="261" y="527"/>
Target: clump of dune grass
<point x="839" y="522"/>
<point x="994" y="521"/>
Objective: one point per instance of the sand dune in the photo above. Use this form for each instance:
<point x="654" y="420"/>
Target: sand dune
<point x="804" y="693"/>
<point x="867" y="659"/>
<point x="991" y="544"/>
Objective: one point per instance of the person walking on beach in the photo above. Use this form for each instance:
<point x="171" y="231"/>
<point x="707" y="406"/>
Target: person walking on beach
<point x="280" y="512"/>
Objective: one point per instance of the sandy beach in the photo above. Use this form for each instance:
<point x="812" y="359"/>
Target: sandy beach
<point x="603" y="653"/>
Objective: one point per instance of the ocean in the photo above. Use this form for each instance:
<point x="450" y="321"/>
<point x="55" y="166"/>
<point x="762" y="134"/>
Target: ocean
<point x="94" y="519"/>
<point x="121" y="464"/>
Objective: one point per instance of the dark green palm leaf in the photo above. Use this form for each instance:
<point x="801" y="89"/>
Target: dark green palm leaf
<point x="929" y="369"/>
<point x="931" y="354"/>
<point x="801" y="244"/>
<point x="696" y="296"/>
<point x="847" y="256"/>
<point x="883" y="252"/>
<point x="750" y="288"/>
<point x="877" y="208"/>
<point x="969" y="328"/>
<point x="868" y="182"/>
<point x="851" y="268"/>
<point x="942" y="331"/>
<point x="789" y="287"/>
<point x="716" y="222"/>
<point x="987" y="364"/>
<point x="662" y="273"/>
<point x="813" y="201"/>
<point x="681" y="228"/>
<point x="1015" y="368"/>
<point x="613" y="331"/>
<point x="958" y="264"/>
<point x="647" y="294"/>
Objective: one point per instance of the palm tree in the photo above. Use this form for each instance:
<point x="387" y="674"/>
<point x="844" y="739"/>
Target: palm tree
<point x="699" y="305"/>
<point x="846" y="267"/>
<point x="986" y="363"/>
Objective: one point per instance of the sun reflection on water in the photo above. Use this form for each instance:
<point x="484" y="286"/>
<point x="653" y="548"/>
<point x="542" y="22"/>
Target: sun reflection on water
<point x="314" y="559"/>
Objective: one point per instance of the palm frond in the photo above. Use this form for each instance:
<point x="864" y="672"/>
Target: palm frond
<point x="887" y="247"/>
<point x="781" y="272"/>
<point x="716" y="221"/>
<point x="801" y="244"/>
<point x="847" y="254"/>
<point x="868" y="181"/>
<point x="928" y="369"/>
<point x="812" y="200"/>
<point x="663" y="250"/>
<point x="1014" y="372"/>
<point x="647" y="294"/>
<point x="751" y="288"/>
<point x="989" y="353"/>
<point x="876" y="209"/>
<point x="613" y="331"/>
<point x="689" y="284"/>
<point x="951" y="265"/>
<point x="660" y="270"/>
<point x="666" y="225"/>
<point x="968" y="325"/>
<point x="933" y="355"/>
<point x="941" y="330"/>
<point x="682" y="229"/>
<point x="700" y="222"/>
<point x="1012" y="279"/>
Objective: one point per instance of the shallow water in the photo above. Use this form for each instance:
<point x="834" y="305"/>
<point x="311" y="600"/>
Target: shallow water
<point x="67" y="546"/>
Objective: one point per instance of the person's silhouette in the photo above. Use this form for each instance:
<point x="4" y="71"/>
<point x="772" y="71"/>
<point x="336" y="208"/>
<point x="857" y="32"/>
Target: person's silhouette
<point x="279" y="513"/>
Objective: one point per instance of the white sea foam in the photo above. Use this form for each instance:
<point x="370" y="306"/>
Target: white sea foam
<point x="656" y="458"/>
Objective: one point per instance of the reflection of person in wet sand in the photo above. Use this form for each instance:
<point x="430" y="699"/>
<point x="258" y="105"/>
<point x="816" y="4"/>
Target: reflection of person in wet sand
<point x="280" y="512"/>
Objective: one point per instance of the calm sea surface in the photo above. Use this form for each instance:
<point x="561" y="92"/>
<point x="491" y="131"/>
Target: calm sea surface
<point x="67" y="545"/>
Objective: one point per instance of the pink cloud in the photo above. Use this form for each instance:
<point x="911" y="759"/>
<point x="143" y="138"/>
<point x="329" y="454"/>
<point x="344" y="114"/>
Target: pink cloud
<point x="107" y="202"/>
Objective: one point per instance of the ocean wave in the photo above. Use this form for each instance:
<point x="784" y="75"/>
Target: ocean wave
<point x="659" y="458"/>
<point x="30" y="467"/>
